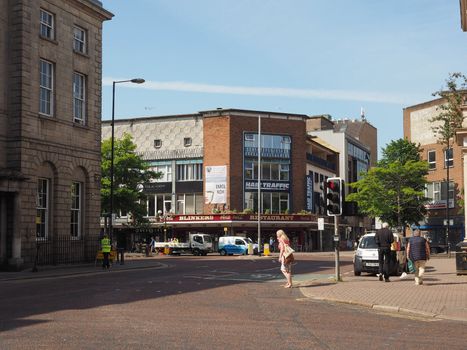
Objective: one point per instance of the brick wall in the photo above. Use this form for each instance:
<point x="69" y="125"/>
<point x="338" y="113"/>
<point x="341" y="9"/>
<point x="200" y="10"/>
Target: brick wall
<point x="223" y="145"/>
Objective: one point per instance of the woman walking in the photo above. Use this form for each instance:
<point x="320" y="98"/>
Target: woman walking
<point x="286" y="267"/>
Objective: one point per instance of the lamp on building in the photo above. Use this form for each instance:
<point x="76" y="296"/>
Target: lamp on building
<point x="135" y="81"/>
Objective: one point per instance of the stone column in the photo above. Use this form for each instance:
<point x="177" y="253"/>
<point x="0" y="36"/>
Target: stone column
<point x="3" y="228"/>
<point x="16" y="261"/>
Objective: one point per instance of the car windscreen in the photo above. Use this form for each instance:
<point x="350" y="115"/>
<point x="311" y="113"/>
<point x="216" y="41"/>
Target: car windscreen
<point x="368" y="243"/>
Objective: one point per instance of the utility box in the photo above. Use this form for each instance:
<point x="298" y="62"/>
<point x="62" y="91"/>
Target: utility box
<point x="461" y="258"/>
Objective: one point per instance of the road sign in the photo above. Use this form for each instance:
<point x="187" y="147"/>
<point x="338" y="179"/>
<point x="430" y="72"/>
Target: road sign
<point x="321" y="224"/>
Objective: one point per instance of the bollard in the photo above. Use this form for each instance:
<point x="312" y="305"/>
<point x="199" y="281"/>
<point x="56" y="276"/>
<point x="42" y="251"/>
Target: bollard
<point x="250" y="249"/>
<point x="266" y="249"/>
<point x="166" y="250"/>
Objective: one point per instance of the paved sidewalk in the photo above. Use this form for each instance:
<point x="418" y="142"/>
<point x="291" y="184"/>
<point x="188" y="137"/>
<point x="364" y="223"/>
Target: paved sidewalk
<point x="132" y="261"/>
<point x="443" y="294"/>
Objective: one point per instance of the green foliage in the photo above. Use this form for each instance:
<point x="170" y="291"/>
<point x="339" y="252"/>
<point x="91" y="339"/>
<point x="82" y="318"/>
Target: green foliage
<point x="394" y="190"/>
<point x="401" y="150"/>
<point x="130" y="173"/>
<point x="450" y="116"/>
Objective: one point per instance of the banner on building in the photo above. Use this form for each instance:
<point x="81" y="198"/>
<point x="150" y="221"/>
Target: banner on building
<point x="309" y="193"/>
<point x="216" y="184"/>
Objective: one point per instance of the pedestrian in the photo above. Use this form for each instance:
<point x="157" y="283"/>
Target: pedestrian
<point x="271" y="244"/>
<point x="418" y="250"/>
<point x="106" y="247"/>
<point x="384" y="238"/>
<point x="286" y="266"/>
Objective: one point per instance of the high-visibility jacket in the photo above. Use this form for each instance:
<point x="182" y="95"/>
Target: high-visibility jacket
<point x="105" y="245"/>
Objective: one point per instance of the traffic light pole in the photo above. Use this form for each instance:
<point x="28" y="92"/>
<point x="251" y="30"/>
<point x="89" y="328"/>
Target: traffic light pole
<point x="336" y="247"/>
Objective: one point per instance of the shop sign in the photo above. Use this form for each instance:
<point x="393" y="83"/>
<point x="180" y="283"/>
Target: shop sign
<point x="267" y="186"/>
<point x="216" y="185"/>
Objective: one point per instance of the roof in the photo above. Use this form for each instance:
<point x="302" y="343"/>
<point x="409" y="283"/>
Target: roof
<point x="324" y="143"/>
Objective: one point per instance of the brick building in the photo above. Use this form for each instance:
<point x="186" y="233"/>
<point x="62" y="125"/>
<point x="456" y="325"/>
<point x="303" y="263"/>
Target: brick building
<point x="418" y="129"/>
<point x="209" y="162"/>
<point x="50" y="123"/>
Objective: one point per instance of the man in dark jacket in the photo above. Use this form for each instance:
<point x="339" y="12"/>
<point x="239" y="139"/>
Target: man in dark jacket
<point x="383" y="239"/>
<point x="418" y="250"/>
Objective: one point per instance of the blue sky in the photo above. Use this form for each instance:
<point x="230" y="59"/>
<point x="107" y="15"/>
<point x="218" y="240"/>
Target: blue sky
<point x="298" y="56"/>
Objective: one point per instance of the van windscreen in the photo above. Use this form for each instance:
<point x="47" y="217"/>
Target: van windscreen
<point x="368" y="242"/>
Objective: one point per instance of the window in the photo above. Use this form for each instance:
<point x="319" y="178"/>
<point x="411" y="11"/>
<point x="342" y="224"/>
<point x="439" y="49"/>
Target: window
<point x="46" y="88"/>
<point x="449" y="158"/>
<point x="436" y="191"/>
<point x="431" y="160"/>
<point x="165" y="170"/>
<point x="187" y="141"/>
<point x="273" y="202"/>
<point x="269" y="170"/>
<point x="157" y="143"/>
<point x="180" y="207"/>
<point x="75" y="222"/>
<point x="79" y="98"/>
<point x="79" y="39"/>
<point x="190" y="172"/>
<point x="284" y="172"/>
<point x="47" y="26"/>
<point x="42" y="208"/>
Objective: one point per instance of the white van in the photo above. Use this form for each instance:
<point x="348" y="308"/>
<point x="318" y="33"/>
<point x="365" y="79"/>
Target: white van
<point x="366" y="257"/>
<point x="229" y="245"/>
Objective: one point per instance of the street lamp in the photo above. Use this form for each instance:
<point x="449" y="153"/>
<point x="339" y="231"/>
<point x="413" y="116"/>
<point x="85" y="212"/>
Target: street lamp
<point x="135" y="81"/>
<point x="159" y="212"/>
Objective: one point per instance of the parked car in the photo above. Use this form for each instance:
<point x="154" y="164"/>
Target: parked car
<point x="229" y="245"/>
<point x="366" y="257"/>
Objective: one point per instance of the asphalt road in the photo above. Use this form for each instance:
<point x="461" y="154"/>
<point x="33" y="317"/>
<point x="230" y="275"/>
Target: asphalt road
<point x="208" y="302"/>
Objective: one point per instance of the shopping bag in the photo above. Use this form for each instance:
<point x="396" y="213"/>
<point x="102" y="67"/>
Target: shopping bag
<point x="288" y="250"/>
<point x="410" y="266"/>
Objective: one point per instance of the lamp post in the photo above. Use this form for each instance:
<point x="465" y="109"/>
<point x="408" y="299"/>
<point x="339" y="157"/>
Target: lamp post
<point x="159" y="212"/>
<point x="135" y="81"/>
<point x="259" y="185"/>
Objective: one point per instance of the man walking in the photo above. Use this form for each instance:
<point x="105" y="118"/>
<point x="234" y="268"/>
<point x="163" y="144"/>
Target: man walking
<point x="418" y="250"/>
<point x="383" y="239"/>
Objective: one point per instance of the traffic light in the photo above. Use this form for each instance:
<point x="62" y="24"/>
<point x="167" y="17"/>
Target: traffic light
<point x="334" y="196"/>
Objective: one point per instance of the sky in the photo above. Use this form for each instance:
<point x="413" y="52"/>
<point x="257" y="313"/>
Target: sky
<point x="294" y="56"/>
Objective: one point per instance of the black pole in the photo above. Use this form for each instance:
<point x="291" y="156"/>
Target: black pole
<point x="447" y="203"/>
<point x="112" y="163"/>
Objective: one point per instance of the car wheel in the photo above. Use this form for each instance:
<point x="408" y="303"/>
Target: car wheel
<point x="222" y="252"/>
<point x="196" y="252"/>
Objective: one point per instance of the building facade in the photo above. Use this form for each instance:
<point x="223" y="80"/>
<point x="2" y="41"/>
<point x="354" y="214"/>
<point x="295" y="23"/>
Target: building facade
<point x="50" y="123"/>
<point x="443" y="199"/>
<point x="210" y="168"/>
<point x="356" y="141"/>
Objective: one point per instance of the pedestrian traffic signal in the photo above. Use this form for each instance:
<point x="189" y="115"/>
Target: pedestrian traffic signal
<point x="334" y="196"/>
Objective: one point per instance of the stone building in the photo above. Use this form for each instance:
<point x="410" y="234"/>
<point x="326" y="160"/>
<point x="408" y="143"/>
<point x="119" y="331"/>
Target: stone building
<point x="50" y="124"/>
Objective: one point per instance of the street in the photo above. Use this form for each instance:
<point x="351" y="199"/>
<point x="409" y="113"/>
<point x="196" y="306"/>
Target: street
<point x="210" y="302"/>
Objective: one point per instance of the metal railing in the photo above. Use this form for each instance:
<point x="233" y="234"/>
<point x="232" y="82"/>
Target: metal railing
<point x="66" y="250"/>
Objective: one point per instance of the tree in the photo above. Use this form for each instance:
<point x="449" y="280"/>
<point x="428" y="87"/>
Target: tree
<point x="401" y="150"/>
<point x="448" y="120"/>
<point x="130" y="173"/>
<point x="450" y="116"/>
<point x="394" y="189"/>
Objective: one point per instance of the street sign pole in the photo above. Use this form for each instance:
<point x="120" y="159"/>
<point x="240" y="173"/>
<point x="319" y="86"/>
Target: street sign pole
<point x="321" y="229"/>
<point x="336" y="245"/>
